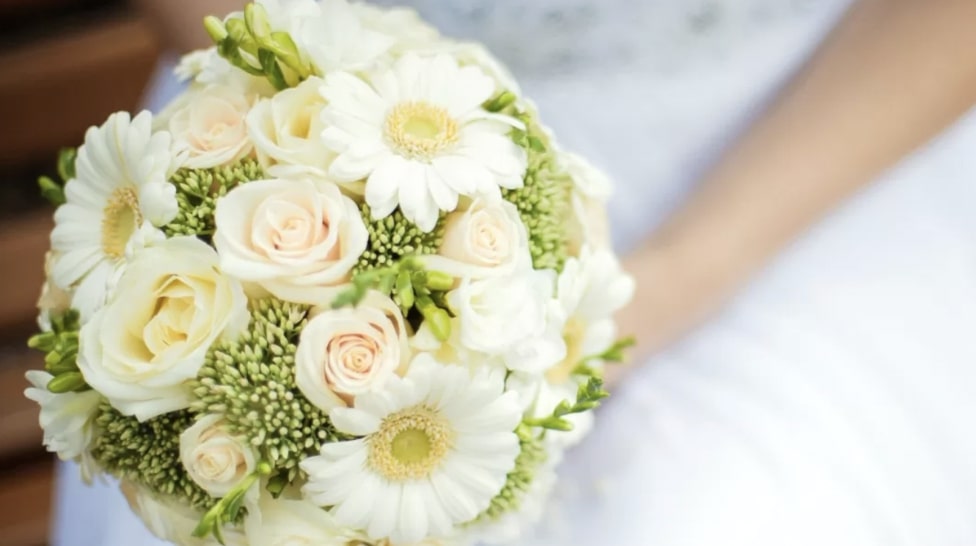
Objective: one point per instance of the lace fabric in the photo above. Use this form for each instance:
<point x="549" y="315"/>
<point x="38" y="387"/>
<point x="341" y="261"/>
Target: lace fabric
<point x="541" y="37"/>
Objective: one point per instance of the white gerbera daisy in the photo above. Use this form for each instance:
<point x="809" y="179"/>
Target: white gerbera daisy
<point x="435" y="447"/>
<point x="120" y="191"/>
<point x="418" y="134"/>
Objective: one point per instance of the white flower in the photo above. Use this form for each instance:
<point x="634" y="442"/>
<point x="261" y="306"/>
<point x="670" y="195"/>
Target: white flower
<point x="172" y="303"/>
<point x="213" y="457"/>
<point x="487" y="239"/>
<point x="207" y="123"/>
<point x="437" y="446"/>
<point x="418" y="134"/>
<point x="591" y="190"/>
<point x="66" y="419"/>
<point x="335" y="39"/>
<point x="173" y="522"/>
<point x="288" y="522"/>
<point x="120" y="185"/>
<point x="287" y="131"/>
<point x="404" y="25"/>
<point x="53" y="300"/>
<point x="299" y="239"/>
<point x="206" y="66"/>
<point x="511" y="317"/>
<point x="590" y="290"/>
<point x="346" y="352"/>
<point x="539" y="396"/>
<point x="476" y="54"/>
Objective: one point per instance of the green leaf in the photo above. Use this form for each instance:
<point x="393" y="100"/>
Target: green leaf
<point x="67" y="382"/>
<point x="269" y="63"/>
<point x="66" y="163"/>
<point x="51" y="191"/>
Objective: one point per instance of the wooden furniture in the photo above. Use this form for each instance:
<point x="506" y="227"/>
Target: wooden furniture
<point x="57" y="78"/>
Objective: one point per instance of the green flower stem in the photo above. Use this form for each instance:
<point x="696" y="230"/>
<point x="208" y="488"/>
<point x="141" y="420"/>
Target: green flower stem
<point x="229" y="507"/>
<point x="588" y="398"/>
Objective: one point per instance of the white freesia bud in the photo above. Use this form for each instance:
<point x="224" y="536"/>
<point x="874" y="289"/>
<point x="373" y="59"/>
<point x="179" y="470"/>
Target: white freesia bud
<point x="171" y="304"/>
<point x="207" y="125"/>
<point x="346" y="352"/>
<point x="488" y="239"/>
<point x="297" y="239"/>
<point x="286" y="130"/>
<point x="213" y="457"/>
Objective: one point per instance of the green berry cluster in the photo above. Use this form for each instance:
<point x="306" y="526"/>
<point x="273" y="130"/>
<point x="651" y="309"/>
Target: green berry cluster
<point x="197" y="192"/>
<point x="251" y="381"/>
<point x="148" y="453"/>
<point x="394" y="238"/>
<point x="518" y="482"/>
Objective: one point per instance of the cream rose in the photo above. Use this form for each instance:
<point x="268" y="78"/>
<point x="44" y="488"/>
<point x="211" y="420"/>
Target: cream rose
<point x="213" y="457"/>
<point x="345" y="352"/>
<point x="53" y="299"/>
<point x="286" y="130"/>
<point x="488" y="239"/>
<point x="170" y="305"/>
<point x="208" y="125"/>
<point x="589" y="225"/>
<point x="297" y="239"/>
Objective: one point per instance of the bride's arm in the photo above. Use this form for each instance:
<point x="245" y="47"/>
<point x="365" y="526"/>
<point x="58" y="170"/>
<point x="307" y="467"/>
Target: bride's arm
<point x="892" y="75"/>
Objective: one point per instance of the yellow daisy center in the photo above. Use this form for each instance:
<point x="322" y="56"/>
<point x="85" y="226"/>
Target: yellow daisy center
<point x="410" y="444"/>
<point x="420" y="129"/>
<point x="120" y="219"/>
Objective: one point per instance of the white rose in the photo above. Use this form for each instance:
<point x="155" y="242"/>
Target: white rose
<point x="171" y="521"/>
<point x="346" y="352"/>
<point x="513" y="317"/>
<point x="213" y="457"/>
<point x="207" y="124"/>
<point x="170" y="305"/>
<point x="67" y="420"/>
<point x="487" y="239"/>
<point x="591" y="190"/>
<point x="287" y="522"/>
<point x="297" y="239"/>
<point x="286" y="130"/>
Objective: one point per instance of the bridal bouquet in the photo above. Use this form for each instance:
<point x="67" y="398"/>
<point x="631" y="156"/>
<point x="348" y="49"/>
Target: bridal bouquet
<point x="346" y="289"/>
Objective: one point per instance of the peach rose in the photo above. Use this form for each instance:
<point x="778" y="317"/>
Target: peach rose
<point x="298" y="239"/>
<point x="488" y="239"/>
<point x="214" y="458"/>
<point x="346" y="352"/>
<point x="208" y="124"/>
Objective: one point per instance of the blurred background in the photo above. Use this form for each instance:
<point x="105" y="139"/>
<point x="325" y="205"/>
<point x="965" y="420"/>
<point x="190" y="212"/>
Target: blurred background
<point x="64" y="65"/>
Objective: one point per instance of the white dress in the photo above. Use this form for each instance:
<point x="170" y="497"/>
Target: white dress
<point x="833" y="402"/>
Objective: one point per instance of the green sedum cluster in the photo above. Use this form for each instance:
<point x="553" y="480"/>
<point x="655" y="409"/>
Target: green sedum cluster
<point x="197" y="192"/>
<point x="148" y="453"/>
<point x="518" y="482"/>
<point x="544" y="201"/>
<point x="251" y="381"/>
<point x="394" y="238"/>
<point x="60" y="346"/>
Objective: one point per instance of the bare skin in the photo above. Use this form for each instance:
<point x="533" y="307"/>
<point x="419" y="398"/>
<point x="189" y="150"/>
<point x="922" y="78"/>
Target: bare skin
<point x="890" y="77"/>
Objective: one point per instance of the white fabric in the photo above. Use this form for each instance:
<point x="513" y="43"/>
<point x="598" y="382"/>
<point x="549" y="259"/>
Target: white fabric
<point x="832" y="402"/>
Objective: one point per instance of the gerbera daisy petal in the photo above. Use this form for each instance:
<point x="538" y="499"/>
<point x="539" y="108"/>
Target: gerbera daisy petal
<point x="432" y="119"/>
<point x="419" y="456"/>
